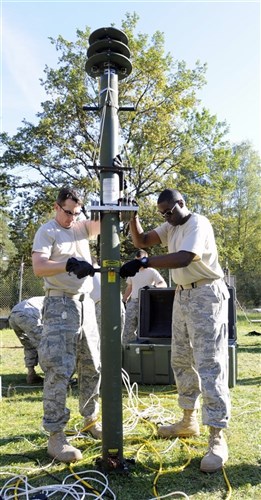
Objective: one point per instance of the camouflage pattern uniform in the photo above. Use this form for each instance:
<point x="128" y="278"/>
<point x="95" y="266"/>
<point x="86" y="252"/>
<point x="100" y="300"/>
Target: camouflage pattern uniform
<point x="70" y="341"/>
<point x="200" y="321"/>
<point x="96" y="296"/>
<point x="70" y="338"/>
<point x="131" y="321"/>
<point x="98" y="315"/>
<point x="199" y="349"/>
<point x="26" y="321"/>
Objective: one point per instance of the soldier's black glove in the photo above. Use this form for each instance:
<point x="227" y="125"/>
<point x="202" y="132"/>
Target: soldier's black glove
<point x="133" y="266"/>
<point x="72" y="265"/>
<point x="79" y="267"/>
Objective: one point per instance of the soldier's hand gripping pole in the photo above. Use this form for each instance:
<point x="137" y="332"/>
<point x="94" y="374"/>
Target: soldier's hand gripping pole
<point x="80" y="267"/>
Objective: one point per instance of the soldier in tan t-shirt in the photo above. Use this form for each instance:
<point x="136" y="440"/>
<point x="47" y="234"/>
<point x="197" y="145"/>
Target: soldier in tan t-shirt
<point x="199" y="349"/>
<point x="70" y="339"/>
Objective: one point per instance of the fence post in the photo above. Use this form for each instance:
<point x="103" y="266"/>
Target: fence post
<point x="21" y="272"/>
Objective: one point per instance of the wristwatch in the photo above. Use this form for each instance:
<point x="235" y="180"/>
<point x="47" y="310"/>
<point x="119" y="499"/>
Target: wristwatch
<point x="144" y="261"/>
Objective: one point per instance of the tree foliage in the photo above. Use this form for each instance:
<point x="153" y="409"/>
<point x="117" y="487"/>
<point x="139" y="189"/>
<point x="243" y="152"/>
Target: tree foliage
<point x="170" y="140"/>
<point x="242" y="235"/>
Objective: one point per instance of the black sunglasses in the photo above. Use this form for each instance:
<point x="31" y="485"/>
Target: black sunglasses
<point x="68" y="212"/>
<point x="168" y="213"/>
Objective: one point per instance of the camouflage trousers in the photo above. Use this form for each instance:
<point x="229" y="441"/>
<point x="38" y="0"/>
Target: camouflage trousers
<point x="98" y="314"/>
<point x="131" y="321"/>
<point x="29" y="330"/>
<point x="199" y="351"/>
<point x="70" y="342"/>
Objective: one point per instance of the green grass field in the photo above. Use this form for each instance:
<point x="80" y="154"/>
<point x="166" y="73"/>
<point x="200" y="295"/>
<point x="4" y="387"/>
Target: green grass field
<point x="154" y="467"/>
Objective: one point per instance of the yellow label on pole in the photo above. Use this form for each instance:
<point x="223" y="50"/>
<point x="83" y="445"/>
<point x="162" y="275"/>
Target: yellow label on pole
<point x="110" y="263"/>
<point x="113" y="451"/>
<point x="111" y="277"/>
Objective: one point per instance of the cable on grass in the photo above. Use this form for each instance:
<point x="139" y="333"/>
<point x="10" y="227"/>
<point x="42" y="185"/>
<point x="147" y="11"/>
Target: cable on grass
<point x="139" y="412"/>
<point x="107" y="491"/>
<point x="40" y="467"/>
<point x="149" y="414"/>
<point x="170" y="495"/>
<point x="138" y="409"/>
<point x="227" y="483"/>
<point x="11" y="390"/>
<point x="132" y="391"/>
<point x="18" y="487"/>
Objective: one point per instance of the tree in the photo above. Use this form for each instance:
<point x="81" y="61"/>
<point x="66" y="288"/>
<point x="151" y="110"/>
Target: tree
<point x="169" y="140"/>
<point x="166" y="134"/>
<point x="7" y="247"/>
<point x="242" y="236"/>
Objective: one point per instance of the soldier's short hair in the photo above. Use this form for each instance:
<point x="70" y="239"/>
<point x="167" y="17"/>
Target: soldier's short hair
<point x="141" y="253"/>
<point x="68" y="193"/>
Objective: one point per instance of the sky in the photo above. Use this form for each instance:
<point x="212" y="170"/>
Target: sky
<point x="223" y="34"/>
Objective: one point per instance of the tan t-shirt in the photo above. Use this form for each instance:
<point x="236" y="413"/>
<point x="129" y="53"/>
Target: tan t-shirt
<point x="145" y="277"/>
<point x="195" y="236"/>
<point x="59" y="244"/>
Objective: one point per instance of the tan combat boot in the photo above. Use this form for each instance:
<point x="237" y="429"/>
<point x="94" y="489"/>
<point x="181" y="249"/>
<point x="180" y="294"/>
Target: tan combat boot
<point x="188" y="426"/>
<point x="58" y="447"/>
<point x="91" y="426"/>
<point x="217" y="453"/>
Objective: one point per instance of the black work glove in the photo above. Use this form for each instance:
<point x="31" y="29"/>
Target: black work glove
<point x="133" y="266"/>
<point x="72" y="265"/>
<point x="79" y="267"/>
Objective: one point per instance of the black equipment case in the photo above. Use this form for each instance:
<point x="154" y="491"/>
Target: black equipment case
<point x="147" y="361"/>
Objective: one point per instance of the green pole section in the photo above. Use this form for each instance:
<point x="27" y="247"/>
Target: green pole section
<point x="111" y="357"/>
<point x="108" y="58"/>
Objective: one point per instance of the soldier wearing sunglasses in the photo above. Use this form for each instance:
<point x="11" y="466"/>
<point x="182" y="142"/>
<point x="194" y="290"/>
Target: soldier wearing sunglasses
<point x="70" y="340"/>
<point x="199" y="349"/>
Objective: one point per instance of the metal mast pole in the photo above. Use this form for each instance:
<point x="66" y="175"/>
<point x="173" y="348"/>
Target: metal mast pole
<point x="108" y="59"/>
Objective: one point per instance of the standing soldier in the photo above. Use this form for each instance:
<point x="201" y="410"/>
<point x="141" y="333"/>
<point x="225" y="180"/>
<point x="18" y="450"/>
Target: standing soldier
<point x="70" y="338"/>
<point x="199" y="349"/>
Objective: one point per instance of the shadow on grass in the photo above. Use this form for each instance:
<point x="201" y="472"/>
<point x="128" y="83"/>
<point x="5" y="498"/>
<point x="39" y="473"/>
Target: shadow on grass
<point x="137" y="482"/>
<point x="249" y="381"/>
<point x="251" y="349"/>
<point x="14" y="379"/>
<point x="13" y="384"/>
<point x="26" y="453"/>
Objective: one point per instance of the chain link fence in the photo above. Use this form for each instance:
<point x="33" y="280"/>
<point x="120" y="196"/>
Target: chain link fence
<point x="17" y="284"/>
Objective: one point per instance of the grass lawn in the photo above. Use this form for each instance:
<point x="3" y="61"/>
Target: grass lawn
<point x="155" y="467"/>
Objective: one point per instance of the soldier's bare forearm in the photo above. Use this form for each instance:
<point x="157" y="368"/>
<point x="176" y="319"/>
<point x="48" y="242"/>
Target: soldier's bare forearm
<point x="137" y="233"/>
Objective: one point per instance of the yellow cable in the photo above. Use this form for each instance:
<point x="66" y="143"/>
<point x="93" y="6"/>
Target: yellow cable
<point x="15" y="488"/>
<point x="160" y="472"/>
<point x="227" y="483"/>
<point x="89" y="486"/>
<point x="173" y="469"/>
